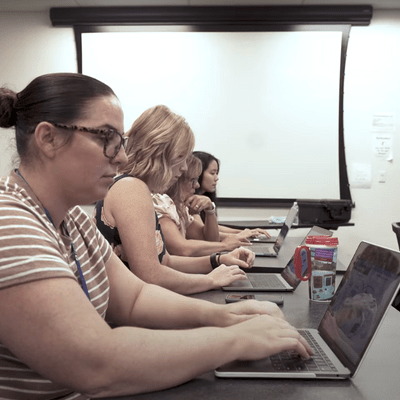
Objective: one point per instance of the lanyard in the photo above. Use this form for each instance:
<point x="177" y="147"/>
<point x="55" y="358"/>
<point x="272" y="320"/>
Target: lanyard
<point x="74" y="253"/>
<point x="78" y="264"/>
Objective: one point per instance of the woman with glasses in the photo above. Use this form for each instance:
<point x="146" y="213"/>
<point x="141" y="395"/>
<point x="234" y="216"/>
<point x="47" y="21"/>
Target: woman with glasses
<point x="179" y="211"/>
<point x="159" y="143"/>
<point x="60" y="282"/>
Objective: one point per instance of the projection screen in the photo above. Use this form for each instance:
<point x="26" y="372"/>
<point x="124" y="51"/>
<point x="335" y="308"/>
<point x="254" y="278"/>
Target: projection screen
<point x="266" y="104"/>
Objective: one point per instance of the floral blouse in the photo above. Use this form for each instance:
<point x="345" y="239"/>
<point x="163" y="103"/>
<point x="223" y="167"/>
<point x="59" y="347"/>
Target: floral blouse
<point x="165" y="207"/>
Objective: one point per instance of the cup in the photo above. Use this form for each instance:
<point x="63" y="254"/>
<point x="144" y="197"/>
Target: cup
<point x="318" y="257"/>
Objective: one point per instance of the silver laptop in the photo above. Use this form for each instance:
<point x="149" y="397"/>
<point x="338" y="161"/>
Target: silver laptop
<point x="348" y="327"/>
<point x="265" y="249"/>
<point x="286" y="281"/>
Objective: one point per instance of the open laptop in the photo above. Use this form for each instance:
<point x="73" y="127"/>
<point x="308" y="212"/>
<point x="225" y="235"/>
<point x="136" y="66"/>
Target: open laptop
<point x="263" y="239"/>
<point x="265" y="249"/>
<point x="348" y="327"/>
<point x="286" y="281"/>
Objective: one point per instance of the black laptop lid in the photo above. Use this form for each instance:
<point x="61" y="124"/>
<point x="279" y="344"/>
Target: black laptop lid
<point x="360" y="302"/>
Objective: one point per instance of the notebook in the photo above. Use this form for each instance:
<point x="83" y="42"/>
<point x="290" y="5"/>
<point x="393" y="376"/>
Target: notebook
<point x="265" y="249"/>
<point x="286" y="281"/>
<point x="348" y="327"/>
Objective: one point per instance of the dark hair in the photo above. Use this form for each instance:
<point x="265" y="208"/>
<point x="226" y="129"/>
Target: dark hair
<point x="58" y="98"/>
<point x="206" y="159"/>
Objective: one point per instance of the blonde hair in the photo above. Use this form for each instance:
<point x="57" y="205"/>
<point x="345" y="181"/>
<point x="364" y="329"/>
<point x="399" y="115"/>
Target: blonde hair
<point x="157" y="140"/>
<point x="194" y="168"/>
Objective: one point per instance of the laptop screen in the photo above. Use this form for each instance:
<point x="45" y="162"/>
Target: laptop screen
<point x="288" y="273"/>
<point x="360" y="302"/>
<point x="286" y="226"/>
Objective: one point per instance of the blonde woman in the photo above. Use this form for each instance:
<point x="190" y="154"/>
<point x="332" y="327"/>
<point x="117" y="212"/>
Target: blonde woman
<point x="159" y="143"/>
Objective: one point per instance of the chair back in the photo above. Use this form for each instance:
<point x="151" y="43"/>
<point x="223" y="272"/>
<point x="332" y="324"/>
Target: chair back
<point x="396" y="230"/>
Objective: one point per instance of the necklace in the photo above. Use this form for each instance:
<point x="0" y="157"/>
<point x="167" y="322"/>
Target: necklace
<point x="74" y="253"/>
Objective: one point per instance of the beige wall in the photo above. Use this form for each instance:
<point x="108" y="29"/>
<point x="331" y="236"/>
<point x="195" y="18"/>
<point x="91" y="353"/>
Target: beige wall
<point x="30" y="46"/>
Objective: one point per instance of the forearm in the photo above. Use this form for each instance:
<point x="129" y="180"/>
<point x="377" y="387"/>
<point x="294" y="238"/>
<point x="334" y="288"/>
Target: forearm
<point x="227" y="229"/>
<point x="157" y="307"/>
<point x="149" y="360"/>
<point x="138" y="351"/>
<point x="157" y="351"/>
<point x="175" y="280"/>
<point x="191" y="265"/>
<point x="196" y="248"/>
<point x="193" y="244"/>
<point x="101" y="361"/>
<point x="210" y="228"/>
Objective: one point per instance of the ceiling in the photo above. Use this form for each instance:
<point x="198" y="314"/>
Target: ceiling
<point x="45" y="5"/>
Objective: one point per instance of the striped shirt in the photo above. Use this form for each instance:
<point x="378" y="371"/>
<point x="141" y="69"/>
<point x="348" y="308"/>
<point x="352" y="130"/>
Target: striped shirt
<point x="31" y="249"/>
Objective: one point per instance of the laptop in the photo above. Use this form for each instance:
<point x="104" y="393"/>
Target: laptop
<point x="286" y="281"/>
<point x="263" y="239"/>
<point x="265" y="249"/>
<point x="348" y="327"/>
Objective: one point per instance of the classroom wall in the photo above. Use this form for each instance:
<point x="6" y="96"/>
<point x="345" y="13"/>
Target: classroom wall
<point x="30" y="46"/>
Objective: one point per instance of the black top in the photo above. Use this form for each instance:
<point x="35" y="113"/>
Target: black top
<point x="111" y="232"/>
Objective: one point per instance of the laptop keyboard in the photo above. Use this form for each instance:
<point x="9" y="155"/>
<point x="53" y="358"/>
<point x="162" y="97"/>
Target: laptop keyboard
<point x="261" y="249"/>
<point x="291" y="361"/>
<point x="267" y="280"/>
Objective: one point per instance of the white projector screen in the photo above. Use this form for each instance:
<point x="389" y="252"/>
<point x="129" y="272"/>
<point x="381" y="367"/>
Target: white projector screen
<point x="266" y="104"/>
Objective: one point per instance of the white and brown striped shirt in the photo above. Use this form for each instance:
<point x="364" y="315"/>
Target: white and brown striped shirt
<point x="30" y="250"/>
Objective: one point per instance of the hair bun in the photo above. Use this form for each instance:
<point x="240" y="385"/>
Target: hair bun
<point x="8" y="113"/>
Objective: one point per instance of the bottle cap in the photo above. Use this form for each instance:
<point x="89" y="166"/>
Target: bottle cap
<point x="322" y="240"/>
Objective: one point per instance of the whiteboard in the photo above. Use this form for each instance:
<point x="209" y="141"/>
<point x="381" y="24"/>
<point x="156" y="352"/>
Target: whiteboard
<point x="266" y="104"/>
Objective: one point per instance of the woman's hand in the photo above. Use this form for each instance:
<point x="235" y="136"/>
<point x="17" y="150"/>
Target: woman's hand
<point x="234" y="241"/>
<point x="224" y="315"/>
<point x="259" y="231"/>
<point x="197" y="203"/>
<point x="244" y="310"/>
<point x="266" y="335"/>
<point x="252" y="233"/>
<point x="261" y="329"/>
<point x="240" y="256"/>
<point x="224" y="275"/>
